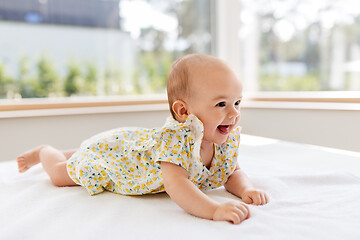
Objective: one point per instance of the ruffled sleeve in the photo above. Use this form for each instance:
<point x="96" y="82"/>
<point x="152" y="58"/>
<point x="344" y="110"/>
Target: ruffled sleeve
<point x="224" y="163"/>
<point x="230" y="150"/>
<point x="179" y="143"/>
<point x="231" y="147"/>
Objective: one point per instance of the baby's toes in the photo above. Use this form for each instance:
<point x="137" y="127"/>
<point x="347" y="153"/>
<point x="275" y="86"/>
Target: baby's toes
<point x="22" y="167"/>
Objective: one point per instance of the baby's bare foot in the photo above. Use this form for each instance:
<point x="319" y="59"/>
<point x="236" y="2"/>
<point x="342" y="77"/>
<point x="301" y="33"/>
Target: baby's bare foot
<point x="29" y="158"/>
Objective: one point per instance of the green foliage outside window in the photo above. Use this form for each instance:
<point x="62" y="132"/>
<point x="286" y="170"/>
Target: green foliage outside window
<point x="81" y="79"/>
<point x="292" y="83"/>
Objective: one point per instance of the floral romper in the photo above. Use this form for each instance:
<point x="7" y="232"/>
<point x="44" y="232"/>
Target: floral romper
<point x="126" y="160"/>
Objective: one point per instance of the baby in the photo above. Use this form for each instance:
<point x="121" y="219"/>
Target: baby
<point x="195" y="150"/>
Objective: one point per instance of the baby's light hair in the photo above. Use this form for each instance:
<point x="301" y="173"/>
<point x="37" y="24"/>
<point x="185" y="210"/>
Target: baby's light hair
<point x="179" y="78"/>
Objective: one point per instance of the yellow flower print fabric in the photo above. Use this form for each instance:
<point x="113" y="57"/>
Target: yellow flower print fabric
<point x="126" y="160"/>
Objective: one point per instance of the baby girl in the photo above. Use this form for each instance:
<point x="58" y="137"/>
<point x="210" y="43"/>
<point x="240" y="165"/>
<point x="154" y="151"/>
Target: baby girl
<point x="196" y="149"/>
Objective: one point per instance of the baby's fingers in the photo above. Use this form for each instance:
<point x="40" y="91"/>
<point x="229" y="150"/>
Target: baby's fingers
<point x="247" y="199"/>
<point x="242" y="211"/>
<point x="246" y="211"/>
<point x="264" y="198"/>
<point x="232" y="211"/>
<point x="261" y="198"/>
<point x="256" y="197"/>
<point x="234" y="218"/>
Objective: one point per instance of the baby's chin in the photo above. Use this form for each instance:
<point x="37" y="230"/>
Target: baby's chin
<point x="220" y="141"/>
<point x="217" y="138"/>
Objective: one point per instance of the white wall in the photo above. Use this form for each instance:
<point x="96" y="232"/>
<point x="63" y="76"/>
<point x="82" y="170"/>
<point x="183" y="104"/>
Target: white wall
<point x="20" y="134"/>
<point x="331" y="128"/>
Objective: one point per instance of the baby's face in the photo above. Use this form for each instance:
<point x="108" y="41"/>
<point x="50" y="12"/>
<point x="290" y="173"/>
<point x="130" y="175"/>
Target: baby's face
<point x="215" y="96"/>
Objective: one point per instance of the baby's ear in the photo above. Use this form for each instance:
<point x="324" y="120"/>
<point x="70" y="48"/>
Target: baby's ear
<point x="180" y="109"/>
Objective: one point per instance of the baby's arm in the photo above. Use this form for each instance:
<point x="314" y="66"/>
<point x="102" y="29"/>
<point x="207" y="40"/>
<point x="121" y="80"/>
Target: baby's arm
<point x="240" y="185"/>
<point x="194" y="201"/>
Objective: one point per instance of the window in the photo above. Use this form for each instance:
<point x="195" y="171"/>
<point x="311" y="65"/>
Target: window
<point x="308" y="45"/>
<point x="62" y="48"/>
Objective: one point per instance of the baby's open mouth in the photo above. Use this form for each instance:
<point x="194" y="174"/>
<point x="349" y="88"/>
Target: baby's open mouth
<point x="224" y="129"/>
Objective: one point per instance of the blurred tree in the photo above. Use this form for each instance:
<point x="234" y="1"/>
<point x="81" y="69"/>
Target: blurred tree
<point x="157" y="67"/>
<point x="6" y="82"/>
<point x="90" y="77"/>
<point x="193" y="35"/>
<point x="275" y="82"/>
<point x="26" y="85"/>
<point x="113" y="79"/>
<point x="47" y="79"/>
<point x="137" y="86"/>
<point x="72" y="80"/>
<point x="194" y="19"/>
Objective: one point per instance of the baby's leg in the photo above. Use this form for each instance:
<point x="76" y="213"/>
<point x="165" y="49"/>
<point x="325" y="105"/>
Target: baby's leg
<point x="29" y="158"/>
<point x="53" y="162"/>
<point x="68" y="153"/>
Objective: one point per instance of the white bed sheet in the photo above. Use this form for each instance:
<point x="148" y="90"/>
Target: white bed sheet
<point x="315" y="194"/>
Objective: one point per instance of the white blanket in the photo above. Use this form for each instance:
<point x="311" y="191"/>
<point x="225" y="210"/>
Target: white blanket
<point x="315" y="194"/>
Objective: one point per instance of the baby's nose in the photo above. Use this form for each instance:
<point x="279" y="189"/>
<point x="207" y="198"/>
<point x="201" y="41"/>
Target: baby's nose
<point x="234" y="112"/>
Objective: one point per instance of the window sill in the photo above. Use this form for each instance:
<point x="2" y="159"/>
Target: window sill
<point x="345" y="101"/>
<point x="316" y="96"/>
<point x="333" y="106"/>
<point x="83" y="111"/>
<point x="80" y="102"/>
<point x="81" y="106"/>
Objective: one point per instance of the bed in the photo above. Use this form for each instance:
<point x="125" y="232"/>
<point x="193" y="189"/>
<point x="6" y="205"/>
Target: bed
<point x="315" y="194"/>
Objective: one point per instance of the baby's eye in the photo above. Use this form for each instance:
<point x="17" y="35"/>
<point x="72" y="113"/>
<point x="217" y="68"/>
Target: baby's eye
<point x="221" y="104"/>
<point x="237" y="103"/>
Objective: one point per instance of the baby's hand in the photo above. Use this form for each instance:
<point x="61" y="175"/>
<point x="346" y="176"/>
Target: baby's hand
<point x="234" y="212"/>
<point x="256" y="197"/>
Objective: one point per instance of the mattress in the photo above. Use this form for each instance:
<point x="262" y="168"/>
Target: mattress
<point x="314" y="191"/>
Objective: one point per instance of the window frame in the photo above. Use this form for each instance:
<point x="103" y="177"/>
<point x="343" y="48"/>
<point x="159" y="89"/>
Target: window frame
<point x="79" y="102"/>
<point x="307" y="96"/>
